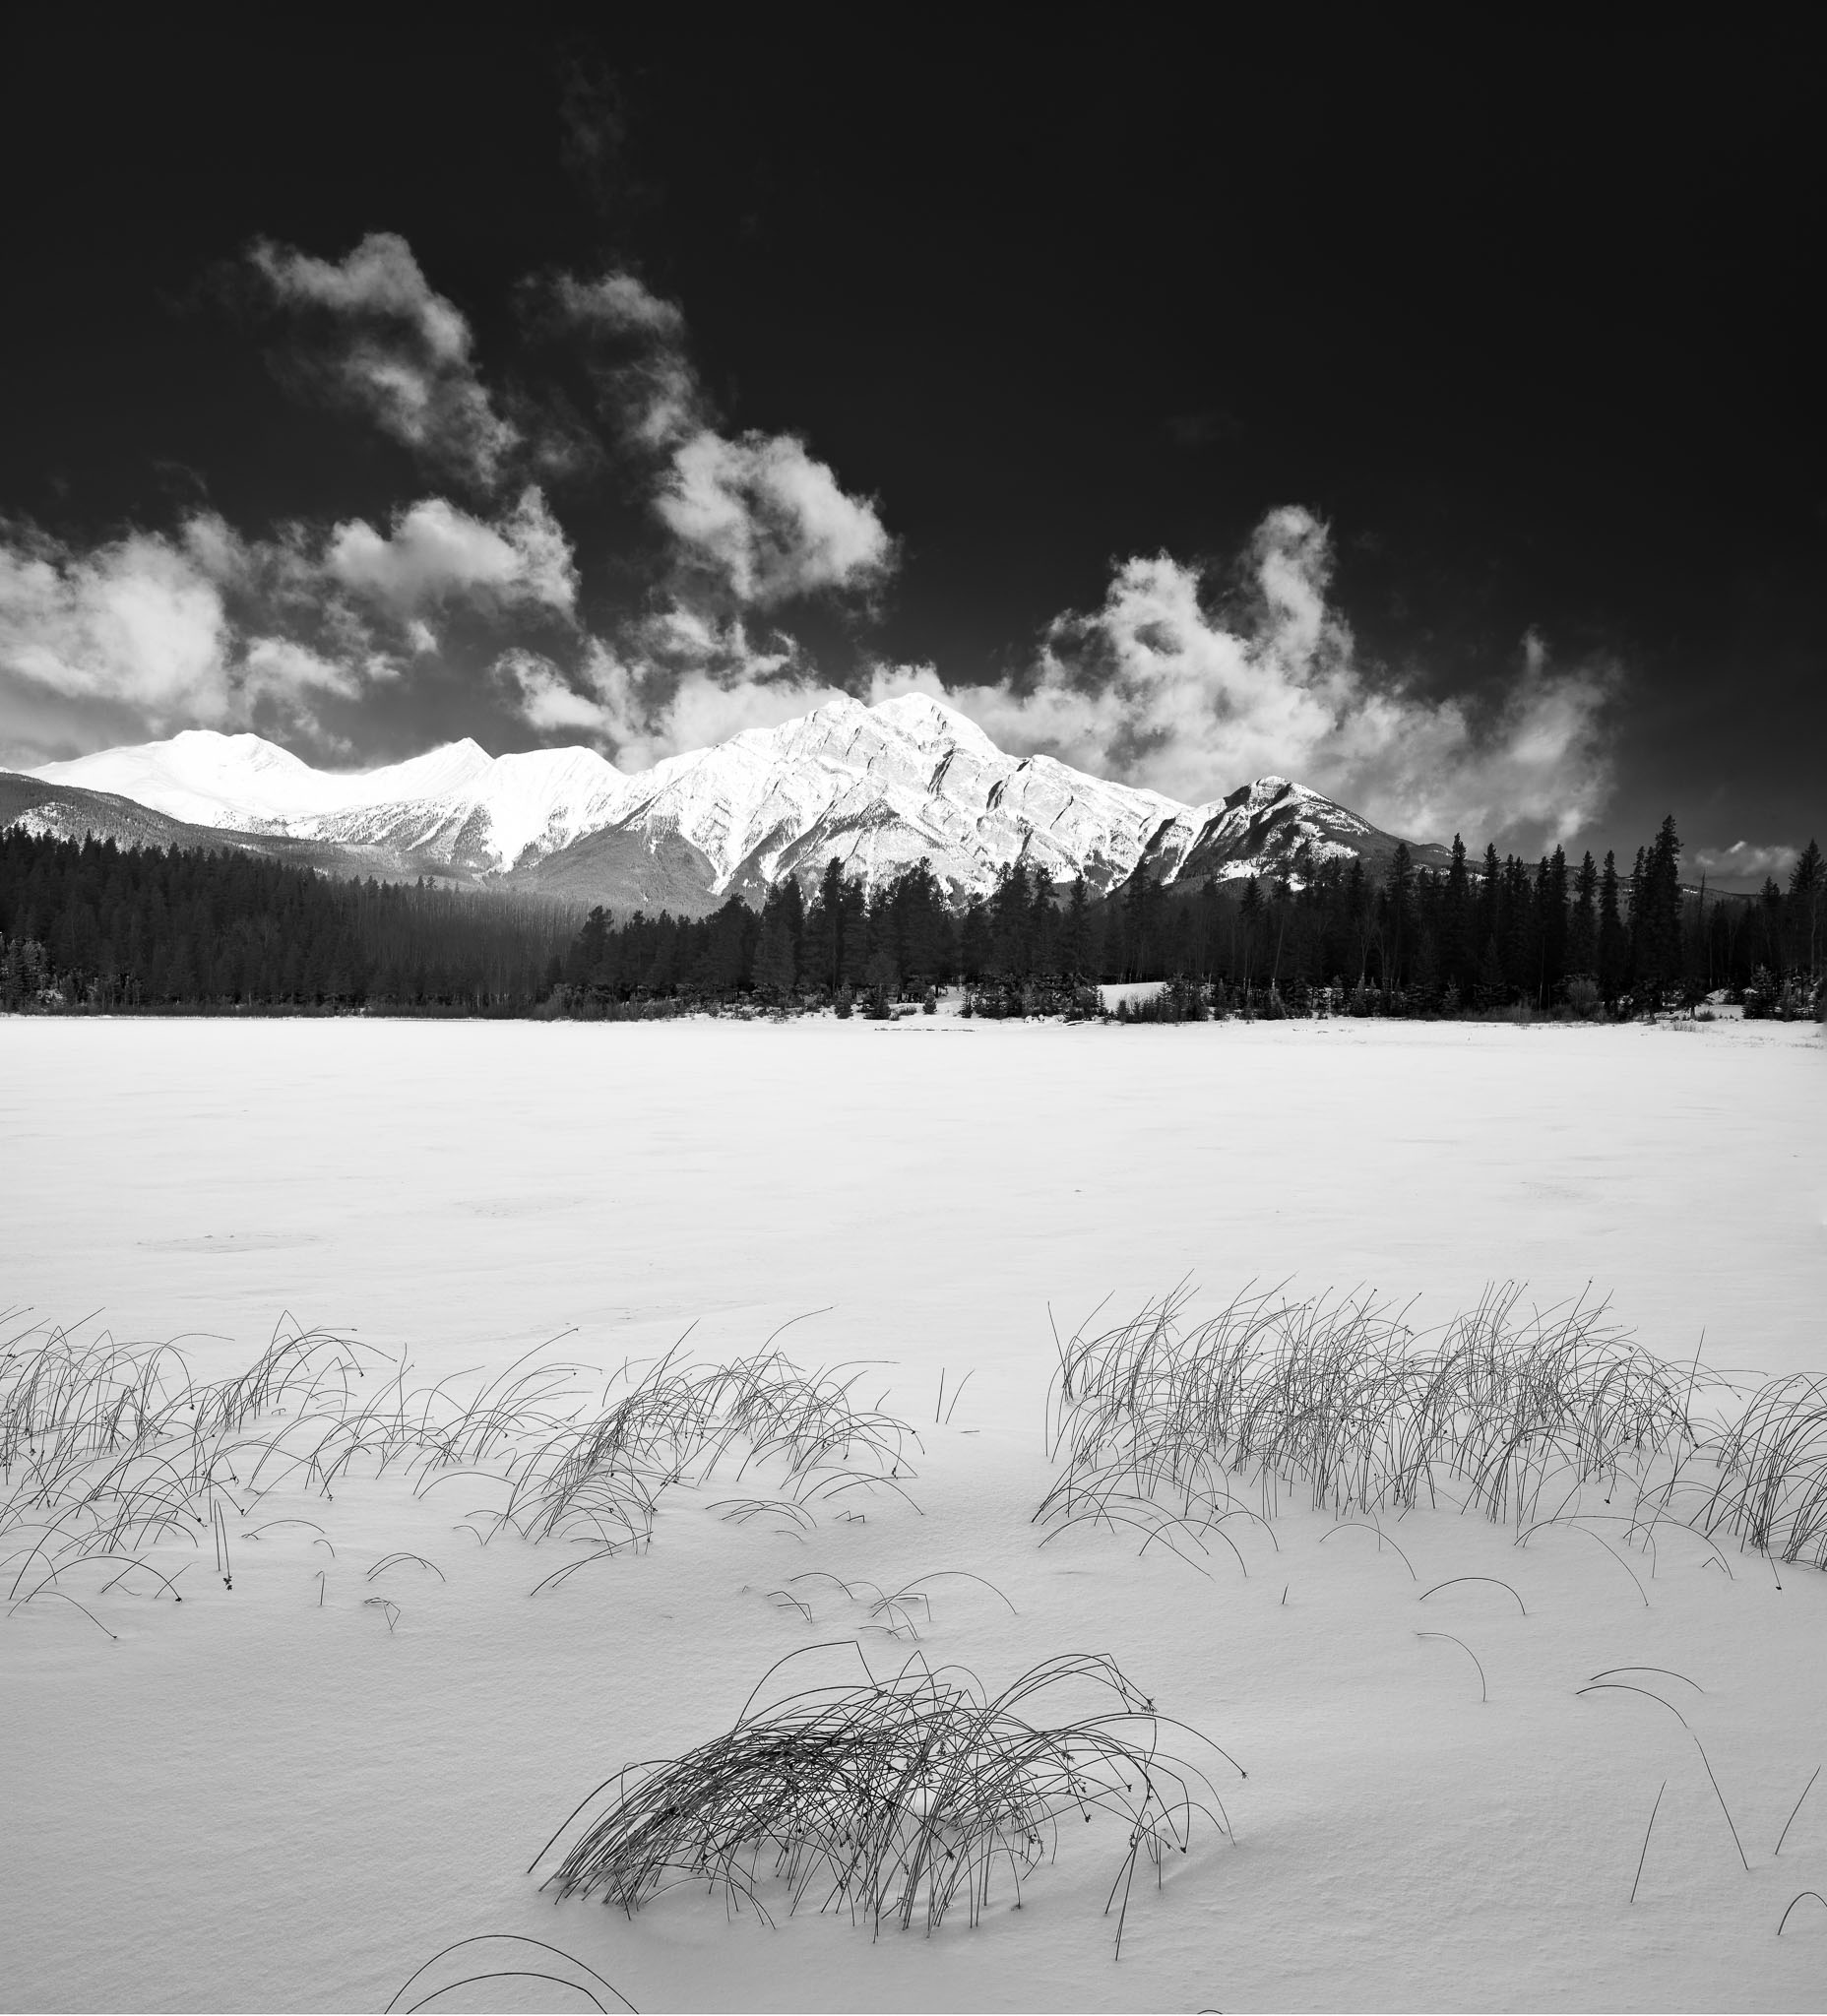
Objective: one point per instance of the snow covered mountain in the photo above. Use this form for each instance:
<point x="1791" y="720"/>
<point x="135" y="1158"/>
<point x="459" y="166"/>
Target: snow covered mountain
<point x="1261" y="829"/>
<point x="458" y="806"/>
<point x="880" y="787"/>
<point x="241" y="780"/>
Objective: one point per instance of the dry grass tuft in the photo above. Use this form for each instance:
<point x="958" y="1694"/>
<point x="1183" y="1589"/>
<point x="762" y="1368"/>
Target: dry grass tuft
<point x="899" y="1799"/>
<point x="1154" y="1421"/>
<point x="108" y="1451"/>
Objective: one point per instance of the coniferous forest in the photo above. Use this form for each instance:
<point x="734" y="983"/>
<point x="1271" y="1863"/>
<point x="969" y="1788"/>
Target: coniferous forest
<point x="90" y="926"/>
<point x="1491" y="936"/>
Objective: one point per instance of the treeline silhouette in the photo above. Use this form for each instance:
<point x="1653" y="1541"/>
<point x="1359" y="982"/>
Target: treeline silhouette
<point x="87" y="924"/>
<point x="91" y="927"/>
<point x="1495" y="935"/>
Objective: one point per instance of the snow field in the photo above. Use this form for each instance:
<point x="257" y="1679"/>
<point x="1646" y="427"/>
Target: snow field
<point x="284" y="1796"/>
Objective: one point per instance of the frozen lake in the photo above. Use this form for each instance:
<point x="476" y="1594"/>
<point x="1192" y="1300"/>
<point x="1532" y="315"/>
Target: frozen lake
<point x="936" y="1183"/>
<point x="272" y="1798"/>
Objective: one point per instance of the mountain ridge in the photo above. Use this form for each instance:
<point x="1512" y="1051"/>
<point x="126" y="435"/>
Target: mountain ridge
<point x="879" y="788"/>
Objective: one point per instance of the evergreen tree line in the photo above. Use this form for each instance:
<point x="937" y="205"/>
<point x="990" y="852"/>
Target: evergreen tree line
<point x="1500" y="934"/>
<point x="1472" y="937"/>
<point x="90" y="926"/>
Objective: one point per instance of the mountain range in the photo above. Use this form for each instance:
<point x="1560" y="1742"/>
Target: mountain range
<point x="879" y="788"/>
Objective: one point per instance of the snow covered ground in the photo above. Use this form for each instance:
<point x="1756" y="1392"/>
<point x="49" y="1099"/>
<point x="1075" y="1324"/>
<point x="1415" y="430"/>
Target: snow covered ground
<point x="287" y="1795"/>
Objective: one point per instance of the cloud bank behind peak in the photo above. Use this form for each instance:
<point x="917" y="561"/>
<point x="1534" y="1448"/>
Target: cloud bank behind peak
<point x="1168" y="686"/>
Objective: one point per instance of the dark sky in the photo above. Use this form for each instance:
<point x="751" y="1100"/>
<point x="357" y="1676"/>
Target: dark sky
<point x="1534" y="328"/>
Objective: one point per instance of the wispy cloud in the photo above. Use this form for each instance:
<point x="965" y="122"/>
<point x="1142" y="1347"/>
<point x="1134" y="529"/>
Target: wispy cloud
<point x="377" y="336"/>
<point x="550" y="702"/>
<point x="753" y="522"/>
<point x="674" y="682"/>
<point x="755" y="519"/>
<point x="620" y="303"/>
<point x="750" y="523"/>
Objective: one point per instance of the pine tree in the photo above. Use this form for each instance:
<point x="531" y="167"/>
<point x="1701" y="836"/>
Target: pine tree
<point x="921" y="930"/>
<point x="1552" y="926"/>
<point x="1399" y="888"/>
<point x="1808" y="910"/>
<point x="854" y="948"/>
<point x="1583" y="924"/>
<point x="1656" y="915"/>
<point x="822" y="943"/>
<point x="1488" y="920"/>
<point x="1044" y="925"/>
<point x="883" y="981"/>
<point x="1516" y="919"/>
<point x="1424" y="968"/>
<point x="974" y="940"/>
<point x="728" y="948"/>
<point x="1112" y="949"/>
<point x="1491" y="991"/>
<point x="1456" y="921"/>
<point x="1359" y="916"/>
<point x="1125" y="935"/>
<point x="1614" y="939"/>
<point x="784" y="906"/>
<point x="1077" y="938"/>
<point x="1250" y="919"/>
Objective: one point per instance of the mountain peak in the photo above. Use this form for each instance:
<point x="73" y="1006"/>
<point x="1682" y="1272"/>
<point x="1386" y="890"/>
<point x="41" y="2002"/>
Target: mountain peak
<point x="1265" y="791"/>
<point x="925" y="718"/>
<point x="242" y="741"/>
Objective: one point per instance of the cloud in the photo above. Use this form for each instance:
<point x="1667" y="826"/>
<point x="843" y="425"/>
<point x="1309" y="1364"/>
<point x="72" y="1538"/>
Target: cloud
<point x="755" y="520"/>
<point x="644" y="379"/>
<point x="704" y="711"/>
<point x="278" y="667"/>
<point x="137" y="622"/>
<point x="1179" y="679"/>
<point x="595" y="118"/>
<point x="1162" y="687"/>
<point x="138" y="631"/>
<point x="392" y="346"/>
<point x="672" y="682"/>
<point x="620" y="303"/>
<point x="681" y="682"/>
<point x="1743" y="862"/>
<point x="203" y="627"/>
<point x="435" y="551"/>
<point x="547" y="701"/>
<point x="768" y="521"/>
